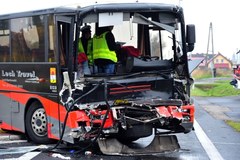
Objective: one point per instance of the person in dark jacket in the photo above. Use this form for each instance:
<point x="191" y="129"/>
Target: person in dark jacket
<point x="85" y="51"/>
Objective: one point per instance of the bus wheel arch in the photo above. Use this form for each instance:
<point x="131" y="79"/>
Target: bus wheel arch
<point x="36" y="122"/>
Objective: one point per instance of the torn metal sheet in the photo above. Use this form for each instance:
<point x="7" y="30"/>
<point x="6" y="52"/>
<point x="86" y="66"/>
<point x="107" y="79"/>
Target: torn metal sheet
<point x="159" y="144"/>
<point x="193" y="64"/>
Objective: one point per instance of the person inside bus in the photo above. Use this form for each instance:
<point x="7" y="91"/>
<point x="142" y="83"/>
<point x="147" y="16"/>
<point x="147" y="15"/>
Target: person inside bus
<point x="85" y="51"/>
<point x="104" y="50"/>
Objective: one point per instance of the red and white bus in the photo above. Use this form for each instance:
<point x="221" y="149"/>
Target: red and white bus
<point x="41" y="96"/>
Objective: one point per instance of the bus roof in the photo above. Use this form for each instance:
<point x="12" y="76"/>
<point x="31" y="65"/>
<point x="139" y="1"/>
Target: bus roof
<point x="98" y="8"/>
<point x="57" y="10"/>
<point x="115" y="7"/>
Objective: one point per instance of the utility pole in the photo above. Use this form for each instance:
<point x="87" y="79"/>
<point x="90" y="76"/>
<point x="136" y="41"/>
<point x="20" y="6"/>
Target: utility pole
<point x="210" y="36"/>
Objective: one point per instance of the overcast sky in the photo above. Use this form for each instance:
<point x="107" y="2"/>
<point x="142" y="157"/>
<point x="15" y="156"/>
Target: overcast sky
<point x="223" y="14"/>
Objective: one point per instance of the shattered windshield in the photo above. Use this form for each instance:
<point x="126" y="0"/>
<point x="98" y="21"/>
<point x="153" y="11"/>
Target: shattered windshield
<point x="154" y="34"/>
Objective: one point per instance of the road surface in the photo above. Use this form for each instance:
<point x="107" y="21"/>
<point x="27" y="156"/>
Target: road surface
<point x="212" y="139"/>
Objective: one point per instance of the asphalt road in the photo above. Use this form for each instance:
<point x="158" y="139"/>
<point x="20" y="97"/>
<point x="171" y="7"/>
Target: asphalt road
<point x="211" y="114"/>
<point x="212" y="139"/>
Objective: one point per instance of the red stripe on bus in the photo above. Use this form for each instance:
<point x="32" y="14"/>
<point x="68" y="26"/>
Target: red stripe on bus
<point x="130" y="87"/>
<point x="130" y="91"/>
<point x="50" y="106"/>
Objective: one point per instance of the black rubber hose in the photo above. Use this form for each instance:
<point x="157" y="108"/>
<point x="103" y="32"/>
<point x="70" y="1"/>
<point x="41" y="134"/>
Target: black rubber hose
<point x="66" y="117"/>
<point x="103" y="122"/>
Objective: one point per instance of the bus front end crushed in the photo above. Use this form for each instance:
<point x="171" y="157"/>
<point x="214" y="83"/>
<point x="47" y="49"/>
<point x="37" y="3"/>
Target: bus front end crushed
<point x="116" y="112"/>
<point x="148" y="95"/>
<point x="141" y="120"/>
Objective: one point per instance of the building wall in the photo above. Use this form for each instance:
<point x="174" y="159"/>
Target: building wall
<point x="220" y="62"/>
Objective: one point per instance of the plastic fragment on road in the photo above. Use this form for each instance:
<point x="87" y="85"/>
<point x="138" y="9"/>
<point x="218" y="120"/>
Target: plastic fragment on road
<point x="57" y="155"/>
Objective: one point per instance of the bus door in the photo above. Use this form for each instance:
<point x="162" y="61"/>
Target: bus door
<point x="65" y="32"/>
<point x="65" y="26"/>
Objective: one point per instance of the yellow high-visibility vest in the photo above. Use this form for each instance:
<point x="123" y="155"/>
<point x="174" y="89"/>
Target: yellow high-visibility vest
<point x="80" y="47"/>
<point x="101" y="50"/>
<point x="89" y="50"/>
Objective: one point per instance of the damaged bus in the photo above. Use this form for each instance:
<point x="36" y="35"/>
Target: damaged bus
<point x="148" y="94"/>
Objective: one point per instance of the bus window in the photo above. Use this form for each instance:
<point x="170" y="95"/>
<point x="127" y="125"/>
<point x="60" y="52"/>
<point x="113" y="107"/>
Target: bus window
<point x="27" y="39"/>
<point x="155" y="43"/>
<point x="162" y="44"/>
<point x="62" y="44"/>
<point x="167" y="45"/>
<point x="65" y="42"/>
<point x="4" y="41"/>
<point x="51" y="35"/>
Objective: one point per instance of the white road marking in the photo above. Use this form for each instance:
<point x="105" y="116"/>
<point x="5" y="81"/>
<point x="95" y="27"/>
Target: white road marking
<point x="207" y="144"/>
<point x="18" y="150"/>
<point x="4" y="137"/>
<point x="27" y="156"/>
<point x="15" y="141"/>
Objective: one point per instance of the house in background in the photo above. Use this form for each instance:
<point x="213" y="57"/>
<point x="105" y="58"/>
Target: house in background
<point x="217" y="61"/>
<point x="220" y="62"/>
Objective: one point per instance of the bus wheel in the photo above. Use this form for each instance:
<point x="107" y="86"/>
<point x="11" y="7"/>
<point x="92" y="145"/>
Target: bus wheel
<point x="36" y="123"/>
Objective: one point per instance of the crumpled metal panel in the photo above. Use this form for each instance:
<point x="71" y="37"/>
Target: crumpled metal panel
<point x="159" y="144"/>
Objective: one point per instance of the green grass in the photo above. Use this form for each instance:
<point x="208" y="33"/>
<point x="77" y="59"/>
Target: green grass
<point x="235" y="125"/>
<point x="203" y="76"/>
<point x="217" y="89"/>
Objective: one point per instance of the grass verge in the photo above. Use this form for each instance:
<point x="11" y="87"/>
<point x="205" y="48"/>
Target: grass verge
<point x="217" y="89"/>
<point x="233" y="124"/>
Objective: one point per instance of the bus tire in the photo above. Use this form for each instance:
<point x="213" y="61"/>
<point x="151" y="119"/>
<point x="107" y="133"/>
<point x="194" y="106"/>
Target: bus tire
<point x="36" y="124"/>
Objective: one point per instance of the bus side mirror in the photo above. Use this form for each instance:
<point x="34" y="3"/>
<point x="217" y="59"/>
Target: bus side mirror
<point x="190" y="39"/>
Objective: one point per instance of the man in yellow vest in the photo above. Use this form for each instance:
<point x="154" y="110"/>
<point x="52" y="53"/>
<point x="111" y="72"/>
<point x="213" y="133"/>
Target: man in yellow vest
<point x="85" y="51"/>
<point x="104" y="47"/>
